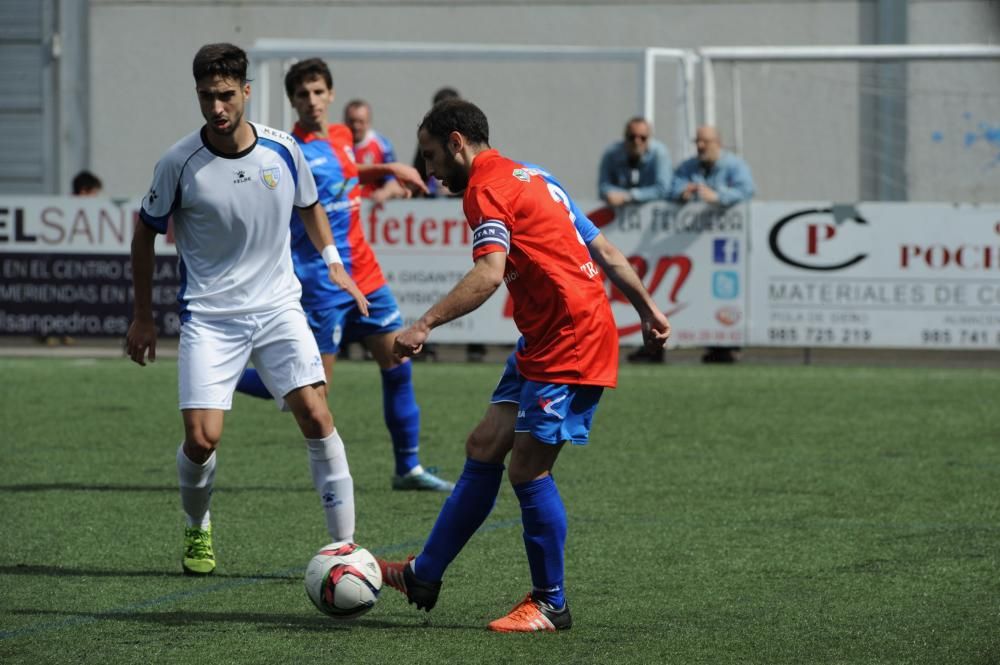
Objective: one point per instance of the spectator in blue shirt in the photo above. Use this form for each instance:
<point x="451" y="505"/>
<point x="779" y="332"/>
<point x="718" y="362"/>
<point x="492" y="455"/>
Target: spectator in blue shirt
<point x="636" y="169"/>
<point x="714" y="176"/>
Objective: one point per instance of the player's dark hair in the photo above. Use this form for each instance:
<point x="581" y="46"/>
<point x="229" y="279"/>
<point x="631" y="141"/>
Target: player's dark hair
<point x="306" y="70"/>
<point x="85" y="181"/>
<point x="225" y="60"/>
<point x="457" y="115"/>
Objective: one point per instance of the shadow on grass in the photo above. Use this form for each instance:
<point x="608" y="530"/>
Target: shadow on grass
<point x="60" y="571"/>
<point x="263" y="621"/>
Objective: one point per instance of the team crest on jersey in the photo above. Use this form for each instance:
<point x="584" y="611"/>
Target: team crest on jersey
<point x="522" y="175"/>
<point x="271" y="175"/>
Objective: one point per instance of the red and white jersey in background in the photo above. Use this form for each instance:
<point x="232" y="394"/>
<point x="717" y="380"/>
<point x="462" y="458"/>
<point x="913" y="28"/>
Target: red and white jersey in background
<point x="373" y="149"/>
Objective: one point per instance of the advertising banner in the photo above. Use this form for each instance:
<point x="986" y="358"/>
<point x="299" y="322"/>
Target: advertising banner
<point x="904" y="275"/>
<point x="64" y="268"/>
<point x="692" y="259"/>
<point x="424" y="248"/>
<point x="910" y="275"/>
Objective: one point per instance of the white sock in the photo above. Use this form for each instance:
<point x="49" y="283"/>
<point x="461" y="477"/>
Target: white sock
<point x="196" y="482"/>
<point x="332" y="479"/>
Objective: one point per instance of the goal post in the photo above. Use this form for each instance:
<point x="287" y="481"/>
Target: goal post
<point x="878" y="122"/>
<point x="265" y="53"/>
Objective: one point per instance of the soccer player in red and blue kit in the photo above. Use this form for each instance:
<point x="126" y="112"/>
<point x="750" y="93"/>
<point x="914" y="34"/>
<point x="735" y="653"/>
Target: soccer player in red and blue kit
<point x="529" y="234"/>
<point x="333" y="315"/>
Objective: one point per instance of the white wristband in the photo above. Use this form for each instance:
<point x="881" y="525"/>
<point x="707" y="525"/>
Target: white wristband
<point x="331" y="255"/>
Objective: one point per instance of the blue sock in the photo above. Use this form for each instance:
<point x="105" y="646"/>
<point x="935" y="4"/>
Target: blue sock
<point x="251" y="384"/>
<point x="463" y="512"/>
<point x="402" y="416"/>
<point x="544" y="519"/>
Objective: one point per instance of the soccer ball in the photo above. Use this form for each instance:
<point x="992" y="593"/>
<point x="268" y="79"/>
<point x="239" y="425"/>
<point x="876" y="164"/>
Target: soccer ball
<point x="343" y="580"/>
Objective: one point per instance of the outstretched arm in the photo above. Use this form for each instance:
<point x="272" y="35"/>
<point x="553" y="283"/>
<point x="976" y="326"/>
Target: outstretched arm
<point x="407" y="179"/>
<point x="471" y="291"/>
<point x="317" y="226"/>
<point x="655" y="326"/>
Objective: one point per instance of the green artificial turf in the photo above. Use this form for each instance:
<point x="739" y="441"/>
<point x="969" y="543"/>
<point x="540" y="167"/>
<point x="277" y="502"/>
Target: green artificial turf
<point x="743" y="514"/>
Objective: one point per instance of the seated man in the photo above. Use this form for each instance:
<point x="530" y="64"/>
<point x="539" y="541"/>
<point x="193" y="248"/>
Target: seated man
<point x="636" y="169"/>
<point x="713" y="176"/>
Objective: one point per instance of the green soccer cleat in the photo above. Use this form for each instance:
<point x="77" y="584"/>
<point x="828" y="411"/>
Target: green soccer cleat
<point x="199" y="559"/>
<point x="424" y="480"/>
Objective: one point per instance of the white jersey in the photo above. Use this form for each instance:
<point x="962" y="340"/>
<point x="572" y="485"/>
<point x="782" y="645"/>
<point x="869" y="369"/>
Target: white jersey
<point x="231" y="221"/>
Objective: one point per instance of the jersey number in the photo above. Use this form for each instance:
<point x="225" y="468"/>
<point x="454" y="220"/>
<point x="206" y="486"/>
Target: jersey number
<point x="562" y="197"/>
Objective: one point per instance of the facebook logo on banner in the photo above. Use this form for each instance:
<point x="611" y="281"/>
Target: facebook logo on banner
<point x="725" y="284"/>
<point x="725" y="250"/>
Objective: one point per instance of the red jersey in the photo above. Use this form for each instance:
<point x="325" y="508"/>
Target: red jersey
<point x="560" y="306"/>
<point x="373" y="149"/>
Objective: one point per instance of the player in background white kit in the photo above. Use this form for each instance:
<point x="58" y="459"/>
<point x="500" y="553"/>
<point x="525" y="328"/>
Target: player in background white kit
<point x="230" y="187"/>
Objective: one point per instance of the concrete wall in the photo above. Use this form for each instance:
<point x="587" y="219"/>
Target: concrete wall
<point x="954" y="123"/>
<point x="801" y="128"/>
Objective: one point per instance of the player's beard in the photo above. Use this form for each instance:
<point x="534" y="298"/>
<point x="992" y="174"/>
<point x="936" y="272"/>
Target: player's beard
<point x="234" y="122"/>
<point x="457" y="178"/>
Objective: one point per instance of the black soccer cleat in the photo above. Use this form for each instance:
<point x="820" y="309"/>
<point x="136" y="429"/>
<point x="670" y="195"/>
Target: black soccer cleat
<point x="400" y="576"/>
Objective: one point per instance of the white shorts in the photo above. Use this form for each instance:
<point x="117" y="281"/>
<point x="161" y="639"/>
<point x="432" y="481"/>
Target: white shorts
<point x="213" y="354"/>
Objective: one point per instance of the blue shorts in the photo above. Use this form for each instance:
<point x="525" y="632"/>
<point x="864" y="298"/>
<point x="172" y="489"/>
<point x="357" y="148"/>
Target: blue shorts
<point x="550" y="412"/>
<point x="345" y="323"/>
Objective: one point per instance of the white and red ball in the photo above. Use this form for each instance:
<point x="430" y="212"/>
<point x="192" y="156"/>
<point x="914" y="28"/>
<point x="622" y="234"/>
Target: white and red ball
<point x="343" y="580"/>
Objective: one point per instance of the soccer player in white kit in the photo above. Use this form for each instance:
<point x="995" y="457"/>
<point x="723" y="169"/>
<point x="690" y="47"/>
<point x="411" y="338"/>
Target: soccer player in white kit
<point x="230" y="187"/>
